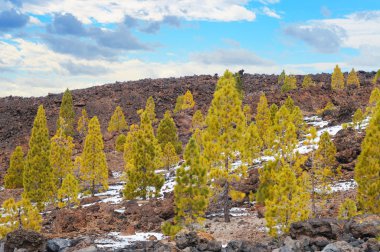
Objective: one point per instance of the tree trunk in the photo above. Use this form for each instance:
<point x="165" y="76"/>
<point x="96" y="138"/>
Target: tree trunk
<point x="226" y="203"/>
<point x="93" y="189"/>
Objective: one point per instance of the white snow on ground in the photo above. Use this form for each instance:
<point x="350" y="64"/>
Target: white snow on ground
<point x="117" y="174"/>
<point x="115" y="240"/>
<point x="234" y="212"/>
<point x="316" y="121"/>
<point x="343" y="186"/>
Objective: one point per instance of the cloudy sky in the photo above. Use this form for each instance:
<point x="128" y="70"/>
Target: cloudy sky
<point x="47" y="46"/>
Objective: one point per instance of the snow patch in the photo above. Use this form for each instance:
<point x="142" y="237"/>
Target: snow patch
<point x="116" y="240"/>
<point x="343" y="186"/>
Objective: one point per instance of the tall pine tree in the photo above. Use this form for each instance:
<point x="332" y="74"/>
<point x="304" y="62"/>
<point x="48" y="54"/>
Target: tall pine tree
<point x="167" y="133"/>
<point x="67" y="113"/>
<point x="223" y="138"/>
<point x="38" y="177"/>
<point x="14" y="177"/>
<point x="94" y="169"/>
<point x="191" y="193"/>
<point x="263" y="122"/>
<point x="117" y="122"/>
<point x="83" y="123"/>
<point x="352" y="78"/>
<point x="367" y="169"/>
<point x="142" y="156"/>
<point x="337" y="79"/>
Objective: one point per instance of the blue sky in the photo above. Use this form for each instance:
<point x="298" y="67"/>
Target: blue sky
<point x="47" y="46"/>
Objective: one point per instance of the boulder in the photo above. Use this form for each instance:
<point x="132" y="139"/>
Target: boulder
<point x="238" y="245"/>
<point x="323" y="227"/>
<point x="57" y="245"/>
<point x="340" y="246"/>
<point x="26" y="240"/>
<point x="364" y="226"/>
<point x="184" y="240"/>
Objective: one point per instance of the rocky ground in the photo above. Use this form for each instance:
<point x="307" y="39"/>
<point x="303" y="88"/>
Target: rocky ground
<point x="108" y="223"/>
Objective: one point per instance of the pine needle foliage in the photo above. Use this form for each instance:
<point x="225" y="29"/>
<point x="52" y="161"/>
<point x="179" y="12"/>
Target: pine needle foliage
<point x="167" y="133"/>
<point x="117" y="122"/>
<point x="66" y="112"/>
<point x="38" y="177"/>
<point x="14" y="177"/>
<point x="21" y="214"/>
<point x="94" y="171"/>
<point x="353" y="79"/>
<point x="337" y="79"/>
<point x="367" y="169"/>
<point x="83" y="123"/>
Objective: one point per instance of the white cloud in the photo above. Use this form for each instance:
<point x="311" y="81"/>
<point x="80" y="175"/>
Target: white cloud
<point x="109" y="11"/>
<point x="269" y="1"/>
<point x="270" y="13"/>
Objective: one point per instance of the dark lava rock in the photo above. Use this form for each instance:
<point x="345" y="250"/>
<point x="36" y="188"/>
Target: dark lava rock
<point x="325" y="227"/>
<point x="364" y="226"/>
<point x="25" y="240"/>
<point x="57" y="245"/>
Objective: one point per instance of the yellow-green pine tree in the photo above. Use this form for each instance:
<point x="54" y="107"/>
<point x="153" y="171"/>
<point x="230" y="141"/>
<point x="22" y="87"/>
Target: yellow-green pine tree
<point x="248" y="114"/>
<point x="290" y="83"/>
<point x="296" y="114"/>
<point x="307" y="81"/>
<point x="60" y="156"/>
<point x="178" y="104"/>
<point x="142" y="156"/>
<point x="352" y="78"/>
<point x="169" y="156"/>
<point x="38" y="178"/>
<point x="14" y="177"/>
<point x="94" y="169"/>
<point x="197" y="121"/>
<point x="167" y="132"/>
<point x="223" y="138"/>
<point x="322" y="173"/>
<point x="191" y="193"/>
<point x="273" y="110"/>
<point x="263" y="121"/>
<point x="373" y="100"/>
<point x="252" y="144"/>
<point x="120" y="142"/>
<point x="358" y="118"/>
<point x="377" y="77"/>
<point x="337" y="79"/>
<point x="69" y="191"/>
<point x="66" y="112"/>
<point x="83" y="123"/>
<point x="188" y="100"/>
<point x="281" y="78"/>
<point x="347" y="210"/>
<point x="15" y="215"/>
<point x="150" y="109"/>
<point x="117" y="122"/>
<point x="367" y="169"/>
<point x="289" y="201"/>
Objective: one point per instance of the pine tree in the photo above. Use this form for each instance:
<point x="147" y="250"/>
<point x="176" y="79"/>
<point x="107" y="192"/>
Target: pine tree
<point x="347" y="210"/>
<point x="239" y="82"/>
<point x="296" y="114"/>
<point x="150" y="109"/>
<point x="352" y="78"/>
<point x="60" y="156"/>
<point x="252" y="144"/>
<point x="188" y="101"/>
<point x="367" y="169"/>
<point x="289" y="201"/>
<point x="38" y="177"/>
<point x="94" y="169"/>
<point x="373" y="100"/>
<point x="358" y="118"/>
<point x="15" y="215"/>
<point x="248" y="114"/>
<point x="337" y="79"/>
<point x="178" y="104"/>
<point x="321" y="172"/>
<point x="273" y="110"/>
<point x="142" y="156"/>
<point x="197" y="121"/>
<point x="167" y="132"/>
<point x="281" y="78"/>
<point x="290" y="83"/>
<point x="169" y="156"/>
<point x="191" y="193"/>
<point x="14" y="177"/>
<point x="263" y="121"/>
<point x="67" y="113"/>
<point x="69" y="191"/>
<point x="83" y="123"/>
<point x="377" y="77"/>
<point x="307" y="81"/>
<point x="117" y="122"/>
<point x="223" y="139"/>
<point x="120" y="142"/>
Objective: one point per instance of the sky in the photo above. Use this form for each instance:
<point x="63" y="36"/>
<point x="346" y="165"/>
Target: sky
<point x="48" y="46"/>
